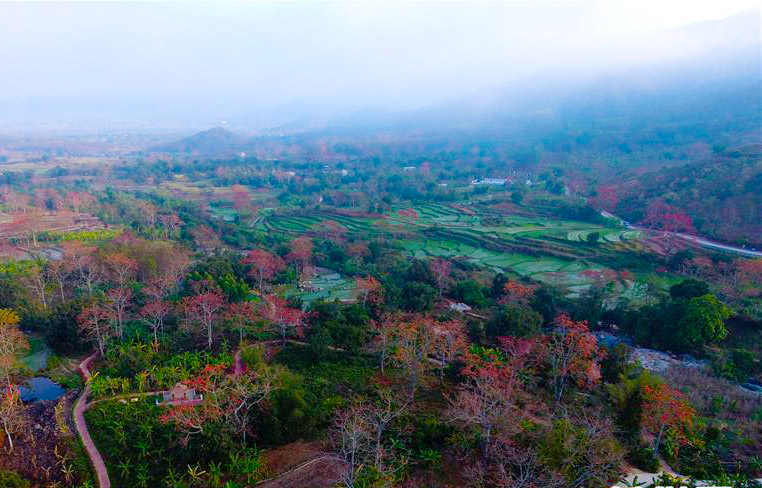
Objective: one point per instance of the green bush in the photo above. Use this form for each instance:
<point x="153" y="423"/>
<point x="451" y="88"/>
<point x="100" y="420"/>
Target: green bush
<point x="9" y="479"/>
<point x="516" y="321"/>
<point x="642" y="457"/>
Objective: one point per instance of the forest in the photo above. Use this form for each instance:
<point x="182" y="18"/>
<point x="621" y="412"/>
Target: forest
<point x="234" y="322"/>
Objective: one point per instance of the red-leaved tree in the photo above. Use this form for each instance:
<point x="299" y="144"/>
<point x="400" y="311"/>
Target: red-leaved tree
<point x="264" y="265"/>
<point x="572" y="352"/>
<point x="665" y="408"/>
<point x="284" y="319"/>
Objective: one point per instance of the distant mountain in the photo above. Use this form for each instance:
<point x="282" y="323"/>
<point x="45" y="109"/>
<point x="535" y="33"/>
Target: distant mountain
<point x="213" y="142"/>
<point x="705" y="87"/>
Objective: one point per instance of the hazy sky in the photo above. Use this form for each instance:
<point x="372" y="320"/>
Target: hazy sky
<point x="238" y="56"/>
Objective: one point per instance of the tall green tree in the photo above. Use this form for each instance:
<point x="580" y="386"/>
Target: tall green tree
<point x="703" y="322"/>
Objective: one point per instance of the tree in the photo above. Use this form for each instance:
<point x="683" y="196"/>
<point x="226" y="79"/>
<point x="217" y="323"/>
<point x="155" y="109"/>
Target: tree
<point x="227" y="399"/>
<point x="80" y="260"/>
<point x="247" y="391"/>
<point x="153" y="314"/>
<point x="12" y="342"/>
<point x="285" y="319"/>
<point x="165" y="280"/>
<point x="380" y="415"/>
<point x="450" y="341"/>
<point x="241" y="314"/>
<point x="352" y="435"/>
<point x="118" y="301"/>
<point x="369" y="287"/>
<point x="514" y="320"/>
<point x="688" y="289"/>
<point x="264" y="265"/>
<point x="202" y="311"/>
<point x="36" y="279"/>
<point x="12" y="416"/>
<point x="171" y="222"/>
<point x="487" y="400"/>
<point x="239" y="196"/>
<point x="414" y="342"/>
<point x="703" y="322"/>
<point x="440" y="268"/>
<point x="301" y="253"/>
<point x="572" y="352"/>
<point x="59" y="272"/>
<point x="93" y="324"/>
<point x="665" y="408"/>
<point x="206" y="238"/>
<point x="517" y="293"/>
<point x="121" y="268"/>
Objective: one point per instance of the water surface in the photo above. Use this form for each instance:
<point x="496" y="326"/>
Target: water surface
<point x="40" y="388"/>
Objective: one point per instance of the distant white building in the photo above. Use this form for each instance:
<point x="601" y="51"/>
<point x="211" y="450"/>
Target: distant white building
<point x="490" y="181"/>
<point x="408" y="168"/>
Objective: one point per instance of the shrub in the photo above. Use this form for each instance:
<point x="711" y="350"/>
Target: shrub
<point x="514" y="320"/>
<point x="9" y="479"/>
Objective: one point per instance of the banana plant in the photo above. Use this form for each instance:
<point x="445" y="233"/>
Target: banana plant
<point x="125" y="467"/>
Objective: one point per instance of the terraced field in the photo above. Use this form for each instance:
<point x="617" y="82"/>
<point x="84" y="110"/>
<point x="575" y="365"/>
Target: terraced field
<point x="327" y="286"/>
<point x="605" y="236"/>
<point x="549" y="250"/>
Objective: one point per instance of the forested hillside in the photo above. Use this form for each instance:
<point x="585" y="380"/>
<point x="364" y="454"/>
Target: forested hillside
<point x="722" y="196"/>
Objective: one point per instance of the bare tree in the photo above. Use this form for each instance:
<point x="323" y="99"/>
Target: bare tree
<point x="12" y="415"/>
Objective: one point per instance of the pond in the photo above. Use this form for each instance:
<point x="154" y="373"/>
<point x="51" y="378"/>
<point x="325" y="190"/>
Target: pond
<point x="40" y="388"/>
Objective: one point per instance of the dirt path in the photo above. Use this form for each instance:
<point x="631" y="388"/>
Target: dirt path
<point x="323" y="471"/>
<point x="238" y="366"/>
<point x="79" y="421"/>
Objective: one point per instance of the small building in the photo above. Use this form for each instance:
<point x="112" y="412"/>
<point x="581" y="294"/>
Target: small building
<point x="490" y="181"/>
<point x="179" y="394"/>
<point x="408" y="168"/>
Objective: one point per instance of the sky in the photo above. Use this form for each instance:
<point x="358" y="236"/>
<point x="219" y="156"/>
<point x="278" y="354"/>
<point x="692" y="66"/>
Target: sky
<point x="209" y="59"/>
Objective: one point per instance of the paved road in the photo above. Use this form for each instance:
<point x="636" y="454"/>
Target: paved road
<point x="695" y="239"/>
<point x="79" y="421"/>
<point x="707" y="243"/>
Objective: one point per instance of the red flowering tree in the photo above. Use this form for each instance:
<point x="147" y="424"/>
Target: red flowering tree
<point x="264" y="265"/>
<point x="301" y="253"/>
<point x="226" y="398"/>
<point x="572" y="352"/>
<point x="608" y="197"/>
<point x="239" y="196"/>
<point x="665" y="408"/>
<point x="369" y="288"/>
<point x="202" y="311"/>
<point x="660" y="215"/>
<point x="517" y="293"/>
<point x="487" y="400"/>
<point x="121" y="268"/>
<point x="284" y="319"/>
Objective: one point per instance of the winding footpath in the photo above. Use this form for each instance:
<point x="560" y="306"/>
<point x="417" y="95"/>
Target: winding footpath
<point x="84" y="435"/>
